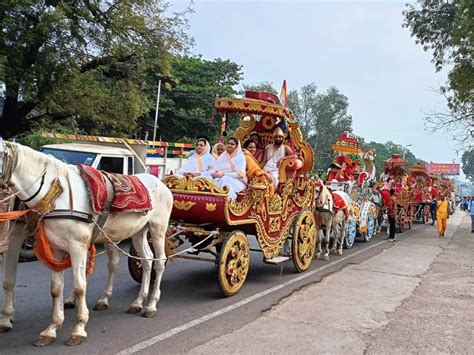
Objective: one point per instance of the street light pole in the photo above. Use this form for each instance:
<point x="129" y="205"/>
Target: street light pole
<point x="156" y="111"/>
<point x="405" y="149"/>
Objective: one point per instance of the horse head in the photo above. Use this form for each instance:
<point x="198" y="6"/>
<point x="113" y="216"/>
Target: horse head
<point x="7" y="163"/>
<point x="320" y="194"/>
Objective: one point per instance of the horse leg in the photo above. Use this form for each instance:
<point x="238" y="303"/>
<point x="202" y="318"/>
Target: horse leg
<point x="140" y="244"/>
<point x="78" y="253"/>
<point x="319" y="236"/>
<point x="112" y="266"/>
<point x="328" y="239"/>
<point x="10" y="259"/>
<point x="158" y="235"/>
<point x="48" y="335"/>
<point x="341" y="236"/>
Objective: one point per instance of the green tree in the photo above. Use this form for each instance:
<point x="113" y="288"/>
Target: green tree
<point x="447" y="29"/>
<point x="263" y="86"/>
<point x="384" y="151"/>
<point x="467" y="160"/>
<point x="83" y="60"/>
<point x="187" y="99"/>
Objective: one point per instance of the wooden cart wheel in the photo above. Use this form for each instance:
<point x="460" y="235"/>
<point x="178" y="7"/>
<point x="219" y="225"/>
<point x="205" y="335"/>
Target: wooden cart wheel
<point x="410" y="216"/>
<point x="135" y="266"/>
<point x="367" y="236"/>
<point x="234" y="262"/>
<point x="351" y="233"/>
<point x="401" y="221"/>
<point x="426" y="213"/>
<point x="304" y="240"/>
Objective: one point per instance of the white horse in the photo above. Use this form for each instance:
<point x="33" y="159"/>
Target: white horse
<point x="16" y="233"/>
<point x="330" y="218"/>
<point x="22" y="169"/>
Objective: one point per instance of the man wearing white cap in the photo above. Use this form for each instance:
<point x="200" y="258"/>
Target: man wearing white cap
<point x="274" y="154"/>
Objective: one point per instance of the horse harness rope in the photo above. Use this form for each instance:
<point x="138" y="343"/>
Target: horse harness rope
<point x="44" y="208"/>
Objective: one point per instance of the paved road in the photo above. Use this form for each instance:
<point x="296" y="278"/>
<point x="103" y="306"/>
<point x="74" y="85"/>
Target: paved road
<point x="190" y="312"/>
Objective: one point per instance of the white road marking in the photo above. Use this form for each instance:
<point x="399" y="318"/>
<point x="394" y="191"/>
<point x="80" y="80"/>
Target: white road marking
<point x="156" y="339"/>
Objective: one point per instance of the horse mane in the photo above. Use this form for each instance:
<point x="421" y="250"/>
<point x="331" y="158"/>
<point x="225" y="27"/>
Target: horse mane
<point x="37" y="161"/>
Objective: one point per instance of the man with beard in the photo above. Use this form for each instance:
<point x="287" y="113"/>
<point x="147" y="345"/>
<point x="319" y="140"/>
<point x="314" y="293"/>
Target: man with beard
<point x="274" y="154"/>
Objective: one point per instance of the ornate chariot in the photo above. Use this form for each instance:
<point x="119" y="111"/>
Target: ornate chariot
<point x="218" y="227"/>
<point x="395" y="166"/>
<point x="421" y="183"/>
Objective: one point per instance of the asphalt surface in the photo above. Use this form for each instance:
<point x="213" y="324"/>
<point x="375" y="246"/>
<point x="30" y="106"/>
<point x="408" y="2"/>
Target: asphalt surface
<point x="191" y="310"/>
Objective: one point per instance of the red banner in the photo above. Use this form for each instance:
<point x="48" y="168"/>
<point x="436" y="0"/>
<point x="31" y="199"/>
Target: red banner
<point x="443" y="168"/>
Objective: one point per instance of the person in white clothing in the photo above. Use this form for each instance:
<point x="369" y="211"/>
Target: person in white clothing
<point x="198" y="163"/>
<point x="229" y="169"/>
<point x="274" y="154"/>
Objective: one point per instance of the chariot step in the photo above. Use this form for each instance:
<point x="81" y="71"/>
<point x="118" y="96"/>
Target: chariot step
<point x="277" y="260"/>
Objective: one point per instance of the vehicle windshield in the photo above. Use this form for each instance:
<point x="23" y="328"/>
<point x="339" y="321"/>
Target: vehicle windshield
<point x="70" y="156"/>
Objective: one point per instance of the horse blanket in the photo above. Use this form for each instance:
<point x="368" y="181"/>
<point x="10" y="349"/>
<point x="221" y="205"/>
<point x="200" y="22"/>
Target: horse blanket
<point x="130" y="195"/>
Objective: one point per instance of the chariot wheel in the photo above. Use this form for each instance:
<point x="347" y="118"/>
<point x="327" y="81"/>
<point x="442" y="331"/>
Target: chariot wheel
<point x="401" y="221"/>
<point x="304" y="240"/>
<point x="351" y="233"/>
<point x="135" y="266"/>
<point x="367" y="236"/>
<point x="426" y="213"/>
<point x="234" y="262"/>
<point x="410" y="217"/>
<point x="27" y="251"/>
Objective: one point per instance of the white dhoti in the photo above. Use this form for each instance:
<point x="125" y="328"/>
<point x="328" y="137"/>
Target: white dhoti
<point x="274" y="156"/>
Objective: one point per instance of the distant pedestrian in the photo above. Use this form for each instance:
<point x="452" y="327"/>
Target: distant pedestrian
<point x="471" y="210"/>
<point x="392" y="215"/>
<point x="442" y="213"/>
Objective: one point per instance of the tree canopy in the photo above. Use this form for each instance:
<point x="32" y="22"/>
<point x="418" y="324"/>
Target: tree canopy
<point x="188" y="95"/>
<point x="84" y="62"/>
<point x="322" y="117"/>
<point x="384" y="151"/>
<point x="467" y="160"/>
<point x="446" y="28"/>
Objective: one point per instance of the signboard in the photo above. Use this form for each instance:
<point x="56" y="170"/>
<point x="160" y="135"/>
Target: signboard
<point x="443" y="168"/>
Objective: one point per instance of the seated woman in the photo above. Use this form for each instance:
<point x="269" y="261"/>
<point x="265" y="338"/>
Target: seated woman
<point x="229" y="169"/>
<point x="217" y="150"/>
<point x="253" y="167"/>
<point x="259" y="151"/>
<point x="198" y="163"/>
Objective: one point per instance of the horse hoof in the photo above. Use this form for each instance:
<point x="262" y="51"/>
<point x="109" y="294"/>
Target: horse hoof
<point x="134" y="310"/>
<point x="69" y="305"/>
<point x="339" y="252"/>
<point x="4" y="328"/>
<point x="149" y="314"/>
<point x="75" y="340"/>
<point x="43" y="340"/>
<point x="100" y="306"/>
<point x="326" y="257"/>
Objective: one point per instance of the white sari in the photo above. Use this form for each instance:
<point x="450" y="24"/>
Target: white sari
<point x="234" y="167"/>
<point x="197" y="163"/>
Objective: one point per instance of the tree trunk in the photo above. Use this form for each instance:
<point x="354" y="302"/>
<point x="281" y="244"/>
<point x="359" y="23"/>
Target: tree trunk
<point x="14" y="119"/>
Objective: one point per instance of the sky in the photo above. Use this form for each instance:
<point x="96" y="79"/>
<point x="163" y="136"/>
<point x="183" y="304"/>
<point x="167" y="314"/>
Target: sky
<point x="359" y="47"/>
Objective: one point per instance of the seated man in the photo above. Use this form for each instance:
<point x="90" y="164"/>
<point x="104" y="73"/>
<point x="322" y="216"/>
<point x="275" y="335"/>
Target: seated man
<point x="198" y="163"/>
<point x="337" y="173"/>
<point x="274" y="154"/>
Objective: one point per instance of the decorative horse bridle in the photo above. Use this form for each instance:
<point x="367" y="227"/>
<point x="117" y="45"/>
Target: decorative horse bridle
<point x="319" y="190"/>
<point x="7" y="166"/>
<point x="7" y="163"/>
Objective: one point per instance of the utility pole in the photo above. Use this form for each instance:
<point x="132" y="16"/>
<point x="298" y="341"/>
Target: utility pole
<point x="157" y="108"/>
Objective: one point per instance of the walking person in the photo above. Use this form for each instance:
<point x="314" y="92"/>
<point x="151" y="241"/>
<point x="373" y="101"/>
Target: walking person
<point x="392" y="215"/>
<point x="470" y="207"/>
<point x="442" y="213"/>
